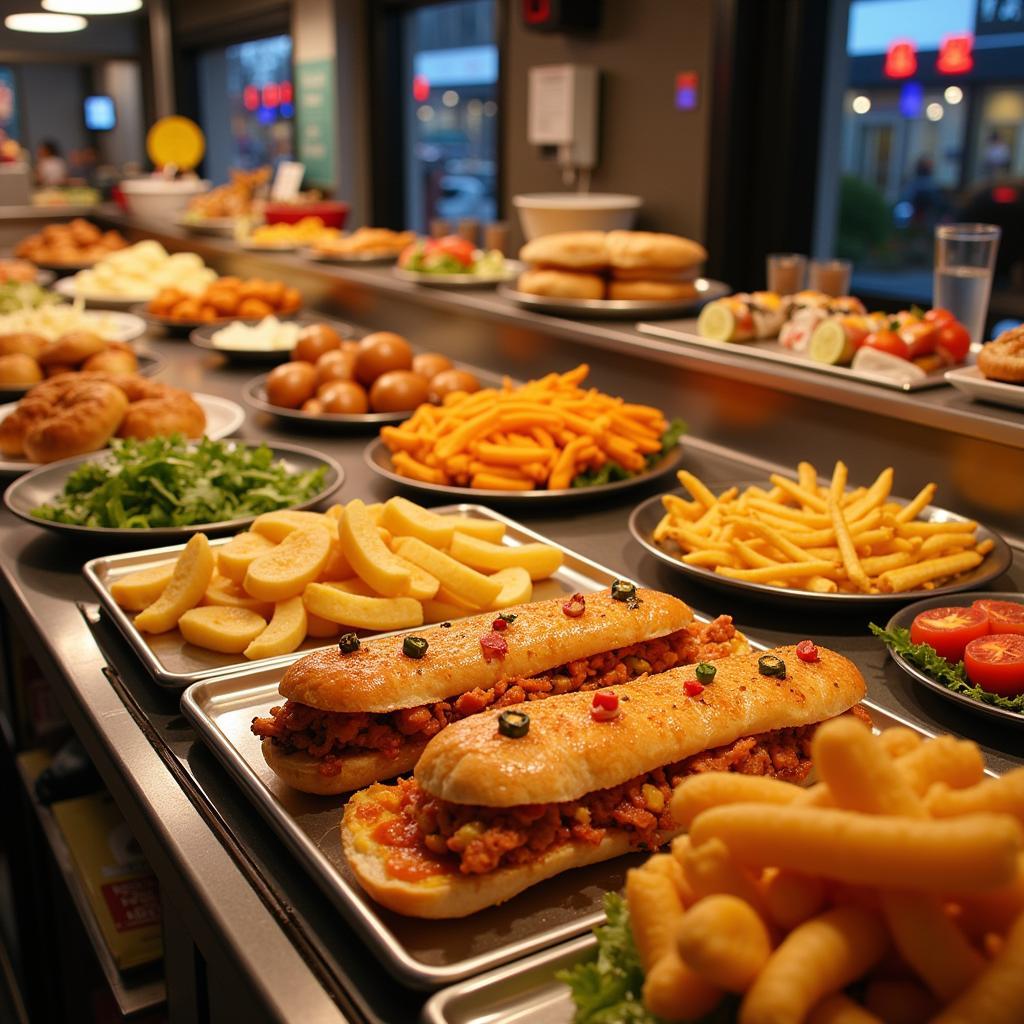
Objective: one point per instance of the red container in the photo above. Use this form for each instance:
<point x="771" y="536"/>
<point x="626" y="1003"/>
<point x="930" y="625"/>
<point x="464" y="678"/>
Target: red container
<point x="331" y="212"/>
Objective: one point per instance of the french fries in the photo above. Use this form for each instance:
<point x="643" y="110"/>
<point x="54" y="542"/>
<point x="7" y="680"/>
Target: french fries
<point x="538" y="436"/>
<point x="901" y="900"/>
<point x="296" y="576"/>
<point x="818" y="538"/>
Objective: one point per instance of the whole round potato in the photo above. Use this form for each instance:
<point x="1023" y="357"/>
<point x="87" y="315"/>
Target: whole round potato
<point x="18" y="369"/>
<point x="379" y="353"/>
<point x="449" y="381"/>
<point x="113" y="360"/>
<point x="430" y="364"/>
<point x="314" y="341"/>
<point x="313" y="405"/>
<point x="291" y="384"/>
<point x="24" y="342"/>
<point x="343" y="396"/>
<point x="335" y="365"/>
<point x="398" y="391"/>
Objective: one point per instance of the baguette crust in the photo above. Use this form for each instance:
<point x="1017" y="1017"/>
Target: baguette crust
<point x="566" y="754"/>
<point x="561" y="284"/>
<point x="657" y="291"/>
<point x="575" y="250"/>
<point x="355" y="771"/>
<point x="456" y="895"/>
<point x="379" y="678"/>
<point x="653" y="249"/>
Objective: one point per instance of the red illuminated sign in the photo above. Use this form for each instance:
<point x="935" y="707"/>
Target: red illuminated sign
<point x="955" y="54"/>
<point x="1005" y="194"/>
<point x="271" y="95"/>
<point x="536" y="12"/>
<point x="420" y="89"/>
<point x="900" y="59"/>
<point x="250" y="97"/>
<point x="286" y="92"/>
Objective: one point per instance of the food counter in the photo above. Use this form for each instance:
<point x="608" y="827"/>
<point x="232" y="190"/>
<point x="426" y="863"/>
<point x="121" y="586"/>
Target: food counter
<point x="247" y="933"/>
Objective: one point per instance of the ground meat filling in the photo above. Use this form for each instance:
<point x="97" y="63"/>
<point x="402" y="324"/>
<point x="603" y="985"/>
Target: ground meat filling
<point x="486" y="838"/>
<point x="328" y="735"/>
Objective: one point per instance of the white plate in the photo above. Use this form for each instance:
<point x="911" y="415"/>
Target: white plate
<point x="223" y="418"/>
<point x="207" y="225"/>
<point x="371" y="256"/>
<point x="971" y="381"/>
<point x="119" y="326"/>
<point x="510" y="272"/>
<point x="66" y="287"/>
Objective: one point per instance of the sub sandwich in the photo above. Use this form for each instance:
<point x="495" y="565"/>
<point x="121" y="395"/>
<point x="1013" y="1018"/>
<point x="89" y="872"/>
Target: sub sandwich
<point x="357" y="716"/>
<point x="505" y="799"/>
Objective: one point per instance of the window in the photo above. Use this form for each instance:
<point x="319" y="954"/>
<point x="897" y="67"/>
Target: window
<point x="247" y="87"/>
<point x="450" y="112"/>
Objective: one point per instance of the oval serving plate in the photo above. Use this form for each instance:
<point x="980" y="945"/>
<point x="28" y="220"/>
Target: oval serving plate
<point x="616" y="309"/>
<point x="254" y="394"/>
<point x="45" y="483"/>
<point x="202" y="337"/>
<point x="377" y="456"/>
<point x="905" y="616"/>
<point x="66" y="287"/>
<point x="149" y="366"/>
<point x="371" y="256"/>
<point x="181" y="328"/>
<point x="646" y="516"/>
<point x="511" y="270"/>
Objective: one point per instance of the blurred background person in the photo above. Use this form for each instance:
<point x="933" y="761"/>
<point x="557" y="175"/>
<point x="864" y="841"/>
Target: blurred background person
<point x="51" y="168"/>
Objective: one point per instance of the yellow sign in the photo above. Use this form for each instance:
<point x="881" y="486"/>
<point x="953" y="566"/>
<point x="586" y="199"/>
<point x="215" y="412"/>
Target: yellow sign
<point x="176" y="140"/>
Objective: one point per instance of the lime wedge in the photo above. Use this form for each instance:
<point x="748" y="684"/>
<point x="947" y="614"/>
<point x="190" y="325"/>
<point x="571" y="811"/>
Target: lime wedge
<point x="716" y="321"/>
<point x="829" y="344"/>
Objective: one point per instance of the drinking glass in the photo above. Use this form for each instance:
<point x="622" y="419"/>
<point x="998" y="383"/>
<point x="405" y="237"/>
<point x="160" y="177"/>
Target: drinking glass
<point x="786" y="272"/>
<point x="830" y="276"/>
<point x="965" y="257"/>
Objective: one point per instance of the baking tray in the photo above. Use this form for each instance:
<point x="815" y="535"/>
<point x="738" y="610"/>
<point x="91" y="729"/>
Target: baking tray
<point x="770" y="351"/>
<point x="423" y="954"/>
<point x="616" y="309"/>
<point x="527" y="991"/>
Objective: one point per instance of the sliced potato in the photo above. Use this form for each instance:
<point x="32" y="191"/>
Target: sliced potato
<point x="372" y="560"/>
<point x="376" y="512"/>
<point x="192" y="574"/>
<point x="441" y="611"/>
<point x="353" y="585"/>
<point x="467" y="583"/>
<point x="138" y="589"/>
<point x="516" y="587"/>
<point x="485" y="529"/>
<point x="228" y="630"/>
<point x="285" y="631"/>
<point x="539" y="560"/>
<point x="234" y="557"/>
<point x="446" y="597"/>
<point x="228" y="594"/>
<point x="277" y="525"/>
<point x="320" y="629"/>
<point x="337" y="567"/>
<point x="285" y="570"/>
<point x="405" y="518"/>
<point x="377" y="613"/>
<point x="422" y="585"/>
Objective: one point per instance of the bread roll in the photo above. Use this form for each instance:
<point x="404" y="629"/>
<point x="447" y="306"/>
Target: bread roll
<point x="84" y="421"/>
<point x="653" y="249"/>
<point x="19" y="370"/>
<point x="572" y="250"/>
<point x="561" y="284"/>
<point x="658" y="291"/>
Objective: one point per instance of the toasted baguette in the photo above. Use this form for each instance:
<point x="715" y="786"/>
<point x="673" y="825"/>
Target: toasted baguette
<point x="652" y="249"/>
<point x="567" y="754"/>
<point x="573" y="250"/>
<point x="355" y="771"/>
<point x="379" y="678"/>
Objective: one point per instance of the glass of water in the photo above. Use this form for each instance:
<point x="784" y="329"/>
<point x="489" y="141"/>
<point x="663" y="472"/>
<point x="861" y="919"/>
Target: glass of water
<point x="965" y="257"/>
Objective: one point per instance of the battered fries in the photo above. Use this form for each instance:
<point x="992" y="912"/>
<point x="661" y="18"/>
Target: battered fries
<point x="915" y="900"/>
<point x="824" y="539"/>
<point x="539" y="436"/>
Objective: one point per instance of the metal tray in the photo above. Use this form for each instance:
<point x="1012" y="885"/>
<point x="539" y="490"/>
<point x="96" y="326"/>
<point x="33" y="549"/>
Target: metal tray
<point x="616" y="309"/>
<point x="509" y="272"/>
<point x="373" y="256"/>
<point x="527" y="991"/>
<point x="646" y="516"/>
<point x="182" y="328"/>
<point x="770" y="351"/>
<point x="423" y="954"/>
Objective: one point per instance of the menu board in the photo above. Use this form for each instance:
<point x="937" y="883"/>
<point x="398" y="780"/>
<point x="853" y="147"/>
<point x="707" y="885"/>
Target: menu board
<point x="314" y="118"/>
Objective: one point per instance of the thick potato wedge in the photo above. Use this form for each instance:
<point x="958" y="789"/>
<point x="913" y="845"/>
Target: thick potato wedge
<point x="442" y="611"/>
<point x="228" y="594"/>
<point x="353" y="585"/>
<point x="284" y="571"/>
<point x="234" y="558"/>
<point x="422" y="585"/>
<point x="337" y="567"/>
<point x="228" y="630"/>
<point x="277" y="525"/>
<point x="405" y="518"/>
<point x="468" y="584"/>
<point x="516" y="587"/>
<point x="539" y="560"/>
<point x="377" y="613"/>
<point x="485" y="529"/>
<point x="369" y="555"/>
<point x="321" y="629"/>
<point x="139" y="589"/>
<point x="285" y="631"/>
<point x="192" y="574"/>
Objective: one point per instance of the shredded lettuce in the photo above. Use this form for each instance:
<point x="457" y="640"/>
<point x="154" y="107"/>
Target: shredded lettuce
<point x="952" y="676"/>
<point x="611" y="471"/>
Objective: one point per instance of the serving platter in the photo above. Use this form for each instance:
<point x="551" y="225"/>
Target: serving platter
<point x="46" y="483"/>
<point x="207" y="225"/>
<point x="510" y="271"/>
<point x="646" y="516"/>
<point x="905" y="616"/>
<point x="202" y="337"/>
<point x="770" y="351"/>
<point x="149" y="366"/>
<point x="254" y="394"/>
<point x="971" y="381"/>
<point x="616" y="309"/>
<point x="223" y="417"/>
<point x="181" y="328"/>
<point x="378" y="457"/>
<point x="66" y="287"/>
<point x="371" y="256"/>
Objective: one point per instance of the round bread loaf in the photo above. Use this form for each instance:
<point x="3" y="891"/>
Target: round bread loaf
<point x="574" y="250"/>
<point x="653" y="249"/>
<point x="561" y="284"/>
<point x="83" y="419"/>
<point x="652" y="290"/>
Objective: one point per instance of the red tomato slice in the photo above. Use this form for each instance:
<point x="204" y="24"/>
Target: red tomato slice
<point x="888" y="341"/>
<point x="996" y="663"/>
<point x="920" y="338"/>
<point x="949" y="630"/>
<point x="1003" y="616"/>
<point x="456" y="247"/>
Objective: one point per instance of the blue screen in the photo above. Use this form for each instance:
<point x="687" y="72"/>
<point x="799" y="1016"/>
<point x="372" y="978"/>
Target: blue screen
<point x="100" y="114"/>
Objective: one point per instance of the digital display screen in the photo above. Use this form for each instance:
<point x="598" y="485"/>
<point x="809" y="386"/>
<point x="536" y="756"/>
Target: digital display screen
<point x="100" y="113"/>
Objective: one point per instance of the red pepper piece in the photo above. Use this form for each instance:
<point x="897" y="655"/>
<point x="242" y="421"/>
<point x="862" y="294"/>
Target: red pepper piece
<point x="692" y="688"/>
<point x="493" y="646"/>
<point x="806" y="651"/>
<point x="575" y="606"/>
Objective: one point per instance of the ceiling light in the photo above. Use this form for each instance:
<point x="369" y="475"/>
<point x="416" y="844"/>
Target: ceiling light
<point x="954" y="94"/>
<point x="92" y="6"/>
<point x="39" y="21"/>
<point x="861" y="104"/>
<point x="934" y="111"/>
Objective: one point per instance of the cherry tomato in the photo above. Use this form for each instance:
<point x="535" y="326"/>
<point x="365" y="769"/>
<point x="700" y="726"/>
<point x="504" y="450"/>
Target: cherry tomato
<point x="996" y="663"/>
<point x="1003" y="616"/>
<point x="949" y="630"/>
<point x="939" y="316"/>
<point x="953" y="342"/>
<point x="888" y="341"/>
<point x="920" y="338"/>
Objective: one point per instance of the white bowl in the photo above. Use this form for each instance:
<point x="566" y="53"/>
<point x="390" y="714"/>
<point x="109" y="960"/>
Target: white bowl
<point x="544" y="213"/>
<point x="159" y="197"/>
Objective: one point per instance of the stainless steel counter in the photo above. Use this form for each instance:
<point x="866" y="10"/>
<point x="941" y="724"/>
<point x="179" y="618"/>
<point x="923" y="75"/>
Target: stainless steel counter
<point x="230" y="889"/>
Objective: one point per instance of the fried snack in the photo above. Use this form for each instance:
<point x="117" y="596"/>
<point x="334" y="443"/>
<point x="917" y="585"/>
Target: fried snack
<point x="540" y="435"/>
<point x="71" y="244"/>
<point x="87" y="415"/>
<point x="724" y="940"/>
<point x="227" y="298"/>
<point x="1003" y="359"/>
<point x="363" y="241"/>
<point x="1003" y="795"/>
<point x="801" y="535"/>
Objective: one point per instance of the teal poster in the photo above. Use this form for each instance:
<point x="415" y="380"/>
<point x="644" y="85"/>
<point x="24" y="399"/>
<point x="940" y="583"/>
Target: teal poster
<point x="314" y="119"/>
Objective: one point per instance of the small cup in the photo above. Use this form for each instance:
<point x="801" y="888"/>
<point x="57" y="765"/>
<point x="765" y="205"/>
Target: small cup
<point x="439" y="227"/>
<point x="469" y="229"/>
<point x="786" y="272"/>
<point x="830" y="276"/>
<point x="496" y="237"/>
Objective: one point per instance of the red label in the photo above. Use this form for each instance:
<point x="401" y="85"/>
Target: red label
<point x="536" y="12"/>
<point x="133" y="903"/>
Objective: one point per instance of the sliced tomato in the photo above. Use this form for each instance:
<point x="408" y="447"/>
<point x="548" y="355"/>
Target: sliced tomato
<point x="920" y="338"/>
<point x="996" y="663"/>
<point x="888" y="341"/>
<point x="949" y="630"/>
<point x="454" y="246"/>
<point x="953" y="342"/>
<point x="939" y="316"/>
<point x="1003" y="616"/>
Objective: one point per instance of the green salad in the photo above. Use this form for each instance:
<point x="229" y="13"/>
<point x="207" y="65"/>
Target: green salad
<point x="18" y="295"/>
<point x="607" y="989"/>
<point x="611" y="471"/>
<point x="168" y="481"/>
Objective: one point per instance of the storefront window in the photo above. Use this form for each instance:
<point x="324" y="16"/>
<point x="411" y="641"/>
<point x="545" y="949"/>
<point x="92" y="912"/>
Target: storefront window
<point x="247" y="87"/>
<point x="450" y="112"/>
